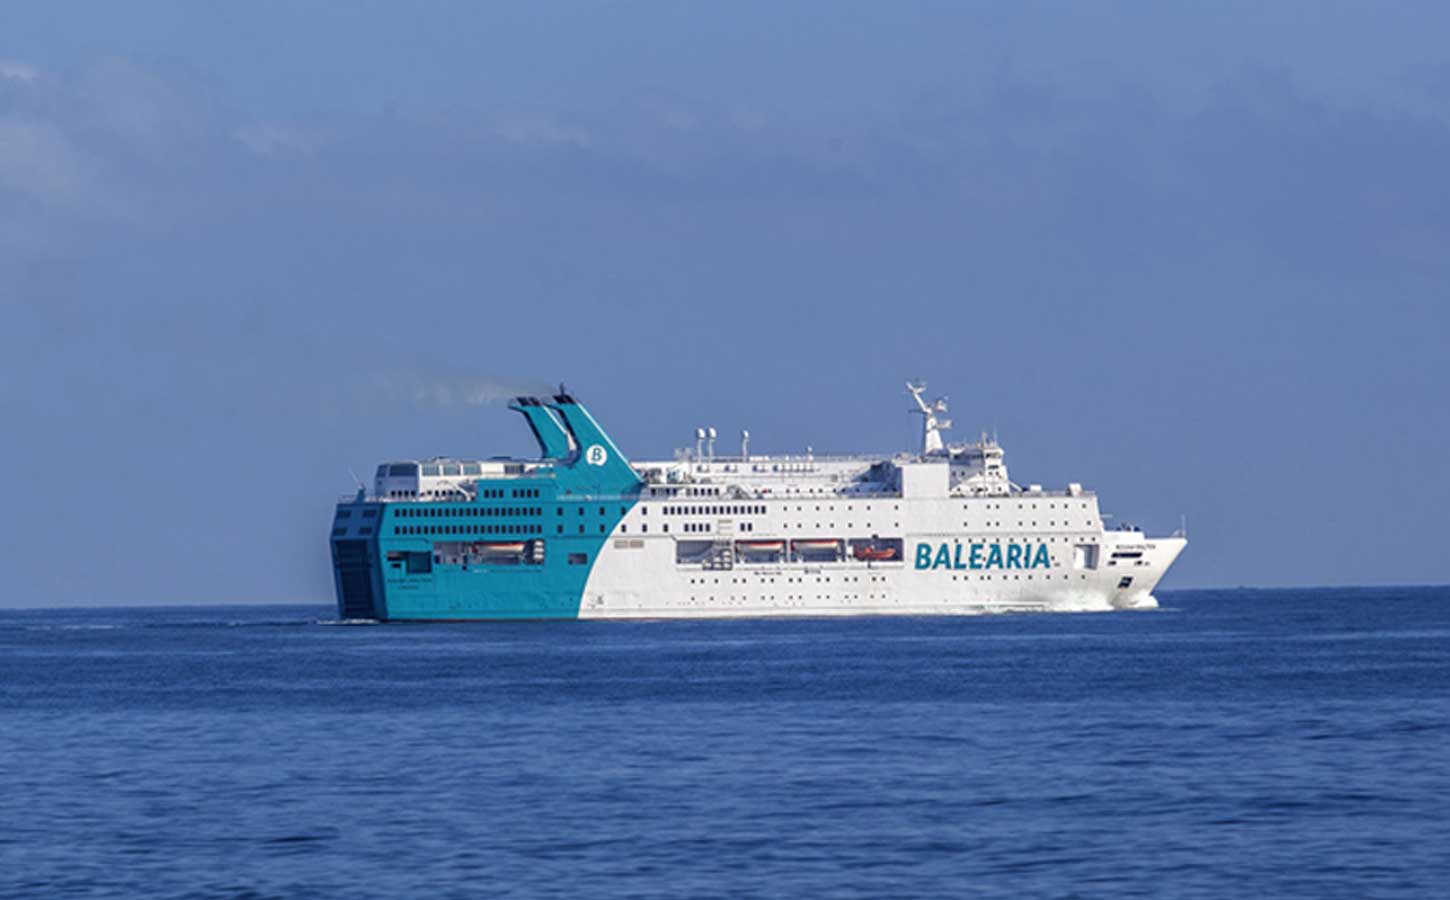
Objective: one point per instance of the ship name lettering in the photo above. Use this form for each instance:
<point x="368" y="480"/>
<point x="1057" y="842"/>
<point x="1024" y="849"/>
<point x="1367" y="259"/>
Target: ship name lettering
<point x="983" y="556"/>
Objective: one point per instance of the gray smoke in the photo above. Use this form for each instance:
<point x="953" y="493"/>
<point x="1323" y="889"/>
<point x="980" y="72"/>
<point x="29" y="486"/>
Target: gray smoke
<point x="441" y="391"/>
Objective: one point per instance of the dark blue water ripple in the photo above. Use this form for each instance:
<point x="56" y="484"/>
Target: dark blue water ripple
<point x="1286" y="743"/>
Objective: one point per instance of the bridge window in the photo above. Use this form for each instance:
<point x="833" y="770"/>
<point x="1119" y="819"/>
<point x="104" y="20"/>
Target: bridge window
<point x="430" y="470"/>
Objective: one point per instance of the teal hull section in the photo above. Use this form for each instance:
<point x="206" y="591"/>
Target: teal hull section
<point x="411" y="577"/>
<point x="523" y="549"/>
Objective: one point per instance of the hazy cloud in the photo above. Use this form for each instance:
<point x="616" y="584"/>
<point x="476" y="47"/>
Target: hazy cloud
<point x="276" y="139"/>
<point x="18" y="71"/>
<point x="541" y="130"/>
<point x="36" y="159"/>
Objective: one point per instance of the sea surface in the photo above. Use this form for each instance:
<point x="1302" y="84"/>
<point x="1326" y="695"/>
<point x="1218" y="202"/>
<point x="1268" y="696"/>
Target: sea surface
<point x="1290" y="743"/>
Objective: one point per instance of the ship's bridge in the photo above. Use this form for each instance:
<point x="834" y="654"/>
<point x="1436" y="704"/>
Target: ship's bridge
<point x="449" y="479"/>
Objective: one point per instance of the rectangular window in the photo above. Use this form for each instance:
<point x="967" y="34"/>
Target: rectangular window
<point x="473" y="469"/>
<point x="405" y="470"/>
<point x="578" y="559"/>
<point x="430" y="470"/>
<point x="344" y="513"/>
<point x="1125" y="581"/>
<point x="452" y="470"/>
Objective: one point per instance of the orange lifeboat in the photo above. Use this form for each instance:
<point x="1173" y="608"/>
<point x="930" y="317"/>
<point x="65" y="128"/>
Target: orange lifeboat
<point x="761" y="546"/>
<point x="872" y="553"/>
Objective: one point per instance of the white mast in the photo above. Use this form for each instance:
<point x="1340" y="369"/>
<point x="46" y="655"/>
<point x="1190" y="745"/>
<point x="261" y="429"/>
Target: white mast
<point x="931" y="426"/>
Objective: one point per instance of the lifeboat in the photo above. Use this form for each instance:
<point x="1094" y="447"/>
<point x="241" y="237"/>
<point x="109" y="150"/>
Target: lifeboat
<point x="817" y="544"/>
<point x="761" y="546"/>
<point x="871" y="553"/>
<point x="499" y="548"/>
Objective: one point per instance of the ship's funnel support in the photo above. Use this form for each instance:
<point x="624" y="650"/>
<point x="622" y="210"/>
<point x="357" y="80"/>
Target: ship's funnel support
<point x="553" y="438"/>
<point x="597" y="465"/>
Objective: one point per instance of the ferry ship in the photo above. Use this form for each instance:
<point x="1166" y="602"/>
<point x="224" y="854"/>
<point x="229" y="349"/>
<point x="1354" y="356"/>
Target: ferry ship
<point x="584" y="533"/>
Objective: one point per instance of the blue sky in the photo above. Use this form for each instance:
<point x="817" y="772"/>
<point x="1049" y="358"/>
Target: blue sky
<point x="1196" y="259"/>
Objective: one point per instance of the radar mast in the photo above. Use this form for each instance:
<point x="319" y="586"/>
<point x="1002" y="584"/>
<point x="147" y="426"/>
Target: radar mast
<point x="932" y="425"/>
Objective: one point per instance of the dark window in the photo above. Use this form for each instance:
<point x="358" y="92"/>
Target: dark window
<point x="420" y="563"/>
<point x="344" y="513"/>
<point x="404" y="470"/>
<point x="1125" y="581"/>
<point x="578" y="559"/>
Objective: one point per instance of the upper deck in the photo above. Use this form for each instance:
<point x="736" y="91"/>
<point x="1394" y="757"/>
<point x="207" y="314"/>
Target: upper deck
<point x="578" y="458"/>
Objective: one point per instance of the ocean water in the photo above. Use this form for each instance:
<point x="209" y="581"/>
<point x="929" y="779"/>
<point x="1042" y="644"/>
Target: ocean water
<point x="1234" y="743"/>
